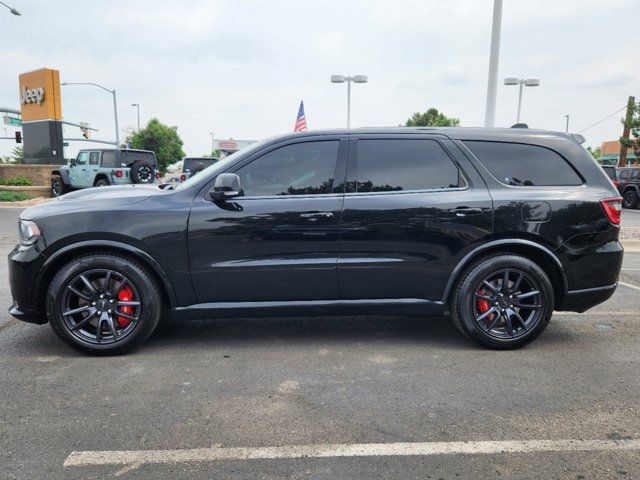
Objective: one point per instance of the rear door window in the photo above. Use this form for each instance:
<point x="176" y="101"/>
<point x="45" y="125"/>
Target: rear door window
<point x="391" y="165"/>
<point x="521" y="164"/>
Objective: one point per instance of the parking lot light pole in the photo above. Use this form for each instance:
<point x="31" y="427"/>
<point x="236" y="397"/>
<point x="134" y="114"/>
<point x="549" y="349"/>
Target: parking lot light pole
<point x="11" y="9"/>
<point x="213" y="144"/>
<point x="354" y="79"/>
<point x="115" y="104"/>
<point x="137" y="105"/>
<point x="567" y="127"/>
<point x="529" y="82"/>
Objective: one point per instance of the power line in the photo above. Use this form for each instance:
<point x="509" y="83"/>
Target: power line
<point x="600" y="121"/>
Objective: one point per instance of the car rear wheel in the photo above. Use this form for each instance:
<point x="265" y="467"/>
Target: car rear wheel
<point x="630" y="199"/>
<point x="503" y="302"/>
<point x="103" y="304"/>
<point x="58" y="187"/>
<point x="102" y="183"/>
<point x="142" y="173"/>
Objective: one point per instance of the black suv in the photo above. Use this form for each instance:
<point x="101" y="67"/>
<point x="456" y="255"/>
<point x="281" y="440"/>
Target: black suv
<point x="498" y="227"/>
<point x="629" y="186"/>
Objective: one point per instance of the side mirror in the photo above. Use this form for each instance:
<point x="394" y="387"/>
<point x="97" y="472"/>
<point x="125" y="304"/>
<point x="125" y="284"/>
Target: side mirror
<point x="72" y="162"/>
<point x="226" y="186"/>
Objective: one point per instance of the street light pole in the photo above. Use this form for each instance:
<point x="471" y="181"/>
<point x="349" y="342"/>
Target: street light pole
<point x="115" y="104"/>
<point x="213" y="144"/>
<point x="521" y="82"/>
<point x="567" y="127"/>
<point x="494" y="58"/>
<point x="343" y="79"/>
<point x="11" y="9"/>
<point x="137" y="105"/>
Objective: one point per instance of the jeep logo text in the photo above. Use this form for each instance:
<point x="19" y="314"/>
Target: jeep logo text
<point x="35" y="95"/>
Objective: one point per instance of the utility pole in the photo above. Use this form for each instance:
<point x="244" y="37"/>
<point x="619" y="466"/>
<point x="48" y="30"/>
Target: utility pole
<point x="631" y="103"/>
<point x="567" y="127"/>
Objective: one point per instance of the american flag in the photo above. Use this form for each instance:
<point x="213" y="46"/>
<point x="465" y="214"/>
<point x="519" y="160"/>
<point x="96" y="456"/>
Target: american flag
<point x="301" y="121"/>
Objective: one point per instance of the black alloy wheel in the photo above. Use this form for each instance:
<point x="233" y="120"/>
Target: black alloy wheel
<point x="58" y="187"/>
<point x="102" y="183"/>
<point x="103" y="303"/>
<point x="503" y="301"/>
<point x="630" y="199"/>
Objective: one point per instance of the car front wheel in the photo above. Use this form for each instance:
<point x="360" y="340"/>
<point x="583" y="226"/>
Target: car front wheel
<point x="103" y="303"/>
<point x="503" y="302"/>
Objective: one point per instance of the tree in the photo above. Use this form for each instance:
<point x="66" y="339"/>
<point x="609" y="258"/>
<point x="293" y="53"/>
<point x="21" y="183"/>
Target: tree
<point x="432" y="118"/>
<point x="17" y="156"/>
<point x="596" y="152"/>
<point x="631" y="125"/>
<point x="159" y="138"/>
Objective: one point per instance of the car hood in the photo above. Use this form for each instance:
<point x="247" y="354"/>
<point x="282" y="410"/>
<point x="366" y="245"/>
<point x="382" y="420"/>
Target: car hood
<point x="93" y="198"/>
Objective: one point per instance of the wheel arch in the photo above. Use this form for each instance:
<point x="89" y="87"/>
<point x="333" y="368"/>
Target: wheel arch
<point x="539" y="254"/>
<point x="53" y="263"/>
<point x="631" y="187"/>
<point x="64" y="175"/>
<point x="101" y="176"/>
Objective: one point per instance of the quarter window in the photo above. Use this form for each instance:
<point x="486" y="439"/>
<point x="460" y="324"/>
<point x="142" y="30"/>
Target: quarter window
<point x="524" y="165"/>
<point x="109" y="158"/>
<point x="297" y="169"/>
<point x="390" y="165"/>
<point x="625" y="174"/>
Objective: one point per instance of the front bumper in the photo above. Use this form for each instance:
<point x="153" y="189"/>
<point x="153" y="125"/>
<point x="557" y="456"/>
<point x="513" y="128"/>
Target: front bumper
<point x="24" y="265"/>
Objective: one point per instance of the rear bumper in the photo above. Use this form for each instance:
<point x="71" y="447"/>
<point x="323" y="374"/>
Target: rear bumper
<point x="582" y="300"/>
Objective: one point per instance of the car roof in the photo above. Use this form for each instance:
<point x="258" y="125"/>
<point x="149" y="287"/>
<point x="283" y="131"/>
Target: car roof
<point x="115" y="149"/>
<point x="456" y="133"/>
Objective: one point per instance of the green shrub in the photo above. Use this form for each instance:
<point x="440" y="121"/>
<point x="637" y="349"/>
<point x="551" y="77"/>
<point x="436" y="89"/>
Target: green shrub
<point x="13" y="196"/>
<point x="16" y="181"/>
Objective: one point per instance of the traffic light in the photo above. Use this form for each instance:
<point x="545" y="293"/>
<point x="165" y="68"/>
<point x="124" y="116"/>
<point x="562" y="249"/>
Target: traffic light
<point x="85" y="132"/>
<point x="18" y="137"/>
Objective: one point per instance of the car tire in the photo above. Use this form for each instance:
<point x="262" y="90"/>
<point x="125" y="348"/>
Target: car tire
<point x="495" y="314"/>
<point x="142" y="172"/>
<point x="99" y="327"/>
<point x="58" y="187"/>
<point x="630" y="199"/>
<point x="101" y="183"/>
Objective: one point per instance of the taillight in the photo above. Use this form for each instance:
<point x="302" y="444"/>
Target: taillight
<point x="612" y="207"/>
<point x="615" y="182"/>
<point x="183" y="178"/>
<point x="119" y="173"/>
<point x="158" y="175"/>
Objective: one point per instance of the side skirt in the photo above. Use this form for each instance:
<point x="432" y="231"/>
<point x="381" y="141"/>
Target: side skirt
<point x="391" y="306"/>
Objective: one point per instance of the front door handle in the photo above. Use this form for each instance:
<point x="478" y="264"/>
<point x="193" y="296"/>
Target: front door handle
<point x="314" y="216"/>
<point x="464" y="211"/>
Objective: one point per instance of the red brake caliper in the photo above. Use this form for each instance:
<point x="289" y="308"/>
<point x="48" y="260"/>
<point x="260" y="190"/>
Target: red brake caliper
<point x="483" y="305"/>
<point x="125" y="295"/>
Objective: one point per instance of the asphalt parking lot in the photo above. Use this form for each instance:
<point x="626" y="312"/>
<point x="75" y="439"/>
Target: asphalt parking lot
<point x="298" y="398"/>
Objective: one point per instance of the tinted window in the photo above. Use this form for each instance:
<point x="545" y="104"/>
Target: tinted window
<point x="625" y="174"/>
<point x="635" y="174"/>
<point x="94" y="158"/>
<point x="519" y="164"/>
<point x="298" y="169"/>
<point x="129" y="157"/>
<point x="395" y="165"/>
<point x="610" y="171"/>
<point x="109" y="159"/>
<point x="192" y="164"/>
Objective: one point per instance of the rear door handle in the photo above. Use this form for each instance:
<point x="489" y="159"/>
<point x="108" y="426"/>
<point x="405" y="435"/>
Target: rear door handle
<point x="464" y="211"/>
<point x="313" y="216"/>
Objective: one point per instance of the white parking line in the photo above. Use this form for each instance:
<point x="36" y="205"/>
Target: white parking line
<point x="629" y="285"/>
<point x="140" y="457"/>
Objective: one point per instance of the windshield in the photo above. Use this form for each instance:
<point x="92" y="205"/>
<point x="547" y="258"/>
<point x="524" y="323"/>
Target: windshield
<point x="220" y="165"/>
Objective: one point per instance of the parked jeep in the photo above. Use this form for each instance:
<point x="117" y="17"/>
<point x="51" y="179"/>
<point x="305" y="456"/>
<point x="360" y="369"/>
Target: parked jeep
<point x="629" y="186"/>
<point x="102" y="167"/>
<point x="194" y="165"/>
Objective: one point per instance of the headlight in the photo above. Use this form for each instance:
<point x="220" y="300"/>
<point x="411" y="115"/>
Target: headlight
<point x="29" y="231"/>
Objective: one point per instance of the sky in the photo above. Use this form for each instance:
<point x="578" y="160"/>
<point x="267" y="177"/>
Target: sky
<point x="240" y="68"/>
